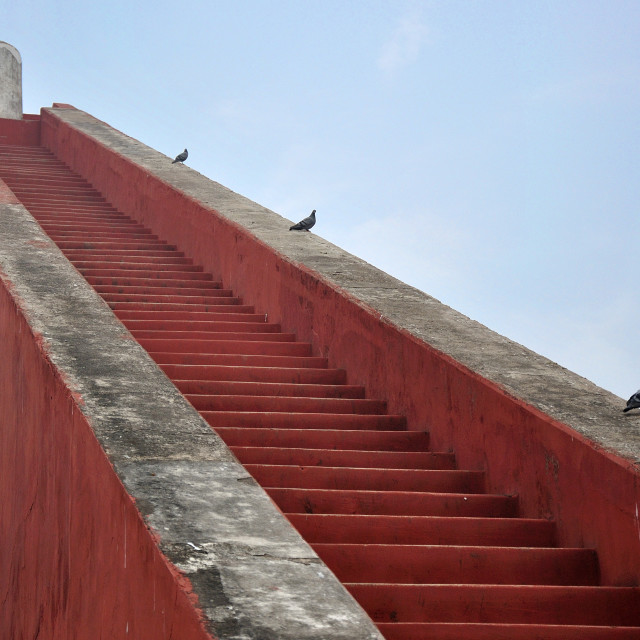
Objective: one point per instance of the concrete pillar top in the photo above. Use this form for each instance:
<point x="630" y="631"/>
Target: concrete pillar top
<point x="12" y="49"/>
<point x="10" y="82"/>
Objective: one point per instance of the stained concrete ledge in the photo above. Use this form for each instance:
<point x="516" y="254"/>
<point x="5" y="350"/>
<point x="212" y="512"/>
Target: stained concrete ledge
<point x="255" y="577"/>
<point x="557" y="392"/>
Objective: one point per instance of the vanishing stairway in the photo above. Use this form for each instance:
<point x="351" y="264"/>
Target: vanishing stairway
<point x="421" y="546"/>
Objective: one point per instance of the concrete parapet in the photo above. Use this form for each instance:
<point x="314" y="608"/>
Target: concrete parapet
<point x="558" y="441"/>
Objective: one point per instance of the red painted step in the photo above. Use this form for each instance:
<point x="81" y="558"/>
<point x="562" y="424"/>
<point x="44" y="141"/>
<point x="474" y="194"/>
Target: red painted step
<point x="421" y="564"/>
<point x="325" y="439"/>
<point x="201" y="302"/>
<point x="226" y="332"/>
<point x="261" y="346"/>
<point x="293" y="404"/>
<point x="361" y="459"/>
<point x="239" y="360"/>
<point x="215" y="326"/>
<point x="397" y="503"/>
<point x="600" y="606"/>
<point x="292" y="375"/>
<point x="347" y="478"/>
<point x="254" y="388"/>
<point x="474" y="631"/>
<point x="423" y="530"/>
<point x="159" y="262"/>
<point x="415" y="539"/>
<point x="284" y="420"/>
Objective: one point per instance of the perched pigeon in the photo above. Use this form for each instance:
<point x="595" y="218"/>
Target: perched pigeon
<point x="181" y="157"/>
<point x="306" y="224"/>
<point x="633" y="402"/>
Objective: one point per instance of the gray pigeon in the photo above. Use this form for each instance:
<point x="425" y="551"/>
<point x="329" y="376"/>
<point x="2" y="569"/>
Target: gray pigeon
<point x="181" y="157"/>
<point x="633" y="402"/>
<point x="306" y="224"/>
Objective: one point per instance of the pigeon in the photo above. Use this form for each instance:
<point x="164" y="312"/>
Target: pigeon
<point x="181" y="157"/>
<point x="306" y="224"/>
<point x="633" y="402"/>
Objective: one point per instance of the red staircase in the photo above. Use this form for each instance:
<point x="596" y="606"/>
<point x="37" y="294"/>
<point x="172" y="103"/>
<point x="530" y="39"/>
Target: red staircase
<point x="418" y="542"/>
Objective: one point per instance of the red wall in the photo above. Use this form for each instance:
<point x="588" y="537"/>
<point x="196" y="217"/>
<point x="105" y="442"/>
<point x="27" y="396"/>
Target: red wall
<point x="24" y="132"/>
<point x="74" y="547"/>
<point x="557" y="473"/>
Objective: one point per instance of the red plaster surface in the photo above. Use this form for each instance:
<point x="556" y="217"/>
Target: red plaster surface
<point x="590" y="493"/>
<point x="74" y="548"/>
<point x="23" y="132"/>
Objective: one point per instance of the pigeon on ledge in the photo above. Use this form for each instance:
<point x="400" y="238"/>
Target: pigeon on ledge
<point x="306" y="224"/>
<point x="633" y="402"/>
<point x="181" y="157"/>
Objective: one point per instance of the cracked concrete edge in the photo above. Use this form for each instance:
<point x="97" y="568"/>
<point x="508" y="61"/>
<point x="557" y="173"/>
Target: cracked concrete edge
<point x="186" y="483"/>
<point x="546" y="386"/>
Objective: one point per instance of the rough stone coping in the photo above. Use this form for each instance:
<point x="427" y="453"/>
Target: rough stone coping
<point x="255" y="577"/>
<point x="563" y="395"/>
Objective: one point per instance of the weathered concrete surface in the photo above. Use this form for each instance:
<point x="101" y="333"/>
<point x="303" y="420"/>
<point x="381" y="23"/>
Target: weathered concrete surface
<point x="10" y="82"/>
<point x="556" y="439"/>
<point x="252" y="574"/>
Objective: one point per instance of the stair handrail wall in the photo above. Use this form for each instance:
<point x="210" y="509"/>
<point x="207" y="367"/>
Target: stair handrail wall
<point x="544" y="433"/>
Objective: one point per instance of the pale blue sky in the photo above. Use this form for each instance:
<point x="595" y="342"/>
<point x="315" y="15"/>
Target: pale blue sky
<point x="486" y="152"/>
